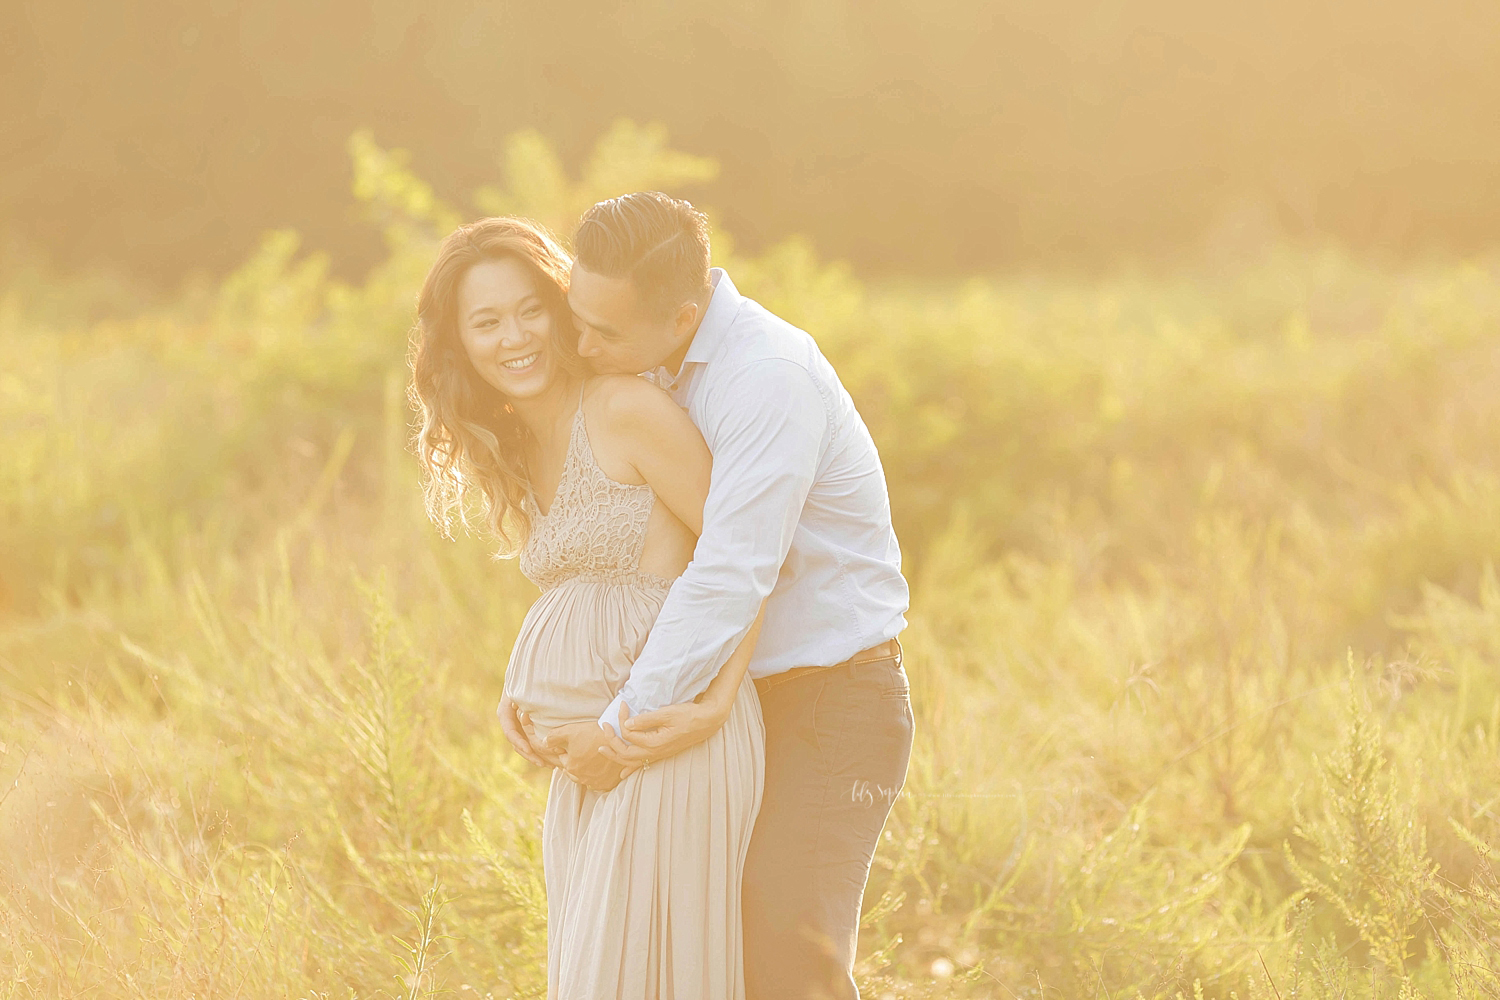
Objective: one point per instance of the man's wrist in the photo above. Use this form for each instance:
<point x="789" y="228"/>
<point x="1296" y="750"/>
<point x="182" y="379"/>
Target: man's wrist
<point x="611" y="717"/>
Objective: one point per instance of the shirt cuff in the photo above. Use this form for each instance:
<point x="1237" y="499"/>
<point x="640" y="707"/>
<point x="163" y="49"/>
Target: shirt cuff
<point x="611" y="717"/>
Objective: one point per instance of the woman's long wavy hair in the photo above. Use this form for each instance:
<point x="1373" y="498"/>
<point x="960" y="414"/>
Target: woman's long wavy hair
<point x="471" y="444"/>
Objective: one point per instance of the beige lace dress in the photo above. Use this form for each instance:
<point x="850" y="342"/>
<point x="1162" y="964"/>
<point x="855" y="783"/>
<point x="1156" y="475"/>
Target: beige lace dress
<point x="643" y="881"/>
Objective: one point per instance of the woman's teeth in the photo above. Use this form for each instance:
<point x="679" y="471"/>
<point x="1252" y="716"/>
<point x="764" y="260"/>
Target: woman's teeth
<point x="519" y="363"/>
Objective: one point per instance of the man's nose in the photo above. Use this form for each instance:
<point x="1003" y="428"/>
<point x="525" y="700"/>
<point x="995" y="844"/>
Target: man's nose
<point x="588" y="346"/>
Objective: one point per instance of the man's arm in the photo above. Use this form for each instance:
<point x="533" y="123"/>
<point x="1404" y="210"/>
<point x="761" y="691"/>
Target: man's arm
<point x="767" y="432"/>
<point x="666" y="732"/>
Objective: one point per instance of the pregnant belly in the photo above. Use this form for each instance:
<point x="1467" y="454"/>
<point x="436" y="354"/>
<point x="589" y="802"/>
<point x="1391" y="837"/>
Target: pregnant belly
<point x="575" y="649"/>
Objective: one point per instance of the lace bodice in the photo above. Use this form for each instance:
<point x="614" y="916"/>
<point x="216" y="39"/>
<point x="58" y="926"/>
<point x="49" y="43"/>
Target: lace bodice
<point x="596" y="527"/>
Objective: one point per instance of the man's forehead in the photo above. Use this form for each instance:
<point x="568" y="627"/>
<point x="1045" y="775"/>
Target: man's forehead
<point x="599" y="297"/>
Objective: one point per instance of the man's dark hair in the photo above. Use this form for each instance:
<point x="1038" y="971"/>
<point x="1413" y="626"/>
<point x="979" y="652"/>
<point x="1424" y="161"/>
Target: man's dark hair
<point x="659" y="243"/>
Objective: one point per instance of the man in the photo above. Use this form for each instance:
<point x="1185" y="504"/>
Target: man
<point x="798" y="517"/>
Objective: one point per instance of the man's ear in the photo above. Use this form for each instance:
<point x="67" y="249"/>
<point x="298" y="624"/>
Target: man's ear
<point x="687" y="317"/>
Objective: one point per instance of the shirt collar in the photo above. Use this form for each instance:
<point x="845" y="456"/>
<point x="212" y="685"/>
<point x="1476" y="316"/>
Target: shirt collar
<point x="723" y="306"/>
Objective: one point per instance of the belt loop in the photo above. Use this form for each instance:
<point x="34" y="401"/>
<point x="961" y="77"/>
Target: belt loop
<point x="895" y="657"/>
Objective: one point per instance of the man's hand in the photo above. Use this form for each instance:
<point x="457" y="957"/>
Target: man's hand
<point x="581" y="749"/>
<point x="653" y="736"/>
<point x="519" y="732"/>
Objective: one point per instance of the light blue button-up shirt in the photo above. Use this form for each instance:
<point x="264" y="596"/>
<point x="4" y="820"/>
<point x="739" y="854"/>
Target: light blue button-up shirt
<point x="797" y="509"/>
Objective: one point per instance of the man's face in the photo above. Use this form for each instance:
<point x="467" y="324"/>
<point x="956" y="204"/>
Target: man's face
<point x="617" y="333"/>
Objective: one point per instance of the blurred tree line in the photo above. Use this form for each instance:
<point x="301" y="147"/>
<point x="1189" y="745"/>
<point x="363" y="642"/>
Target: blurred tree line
<point x="906" y="136"/>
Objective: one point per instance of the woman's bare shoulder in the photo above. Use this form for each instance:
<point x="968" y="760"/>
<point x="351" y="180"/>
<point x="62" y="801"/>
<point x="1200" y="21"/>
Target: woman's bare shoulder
<point x="624" y="400"/>
<point x="640" y="423"/>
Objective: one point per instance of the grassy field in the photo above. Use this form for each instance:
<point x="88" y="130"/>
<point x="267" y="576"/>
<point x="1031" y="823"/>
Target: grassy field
<point x="1204" y="647"/>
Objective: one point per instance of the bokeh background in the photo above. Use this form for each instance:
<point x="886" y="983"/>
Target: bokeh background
<point x="1178" y="328"/>
<point x="904" y="136"/>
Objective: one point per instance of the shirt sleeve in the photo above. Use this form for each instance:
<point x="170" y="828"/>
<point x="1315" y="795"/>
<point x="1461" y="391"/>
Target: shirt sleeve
<point x="767" y="428"/>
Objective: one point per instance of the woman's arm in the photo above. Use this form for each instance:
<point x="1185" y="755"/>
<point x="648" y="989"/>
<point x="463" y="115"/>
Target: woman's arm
<point x="669" y="455"/>
<point x="726" y="683"/>
<point x="660" y="443"/>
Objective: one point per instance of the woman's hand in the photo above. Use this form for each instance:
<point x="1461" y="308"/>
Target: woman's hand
<point x="653" y="736"/>
<point x="519" y="732"/>
<point x="586" y="751"/>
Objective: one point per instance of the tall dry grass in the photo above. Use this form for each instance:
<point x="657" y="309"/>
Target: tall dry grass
<point x="1205" y="642"/>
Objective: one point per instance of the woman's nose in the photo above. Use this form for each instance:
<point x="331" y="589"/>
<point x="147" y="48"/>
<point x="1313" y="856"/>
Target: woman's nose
<point x="511" y="334"/>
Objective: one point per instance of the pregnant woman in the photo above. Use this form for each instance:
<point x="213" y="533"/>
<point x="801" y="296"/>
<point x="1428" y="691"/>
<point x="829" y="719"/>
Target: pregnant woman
<point x="599" y="485"/>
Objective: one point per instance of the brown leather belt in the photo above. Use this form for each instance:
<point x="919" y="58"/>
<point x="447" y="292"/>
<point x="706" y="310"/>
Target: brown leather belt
<point x="888" y="650"/>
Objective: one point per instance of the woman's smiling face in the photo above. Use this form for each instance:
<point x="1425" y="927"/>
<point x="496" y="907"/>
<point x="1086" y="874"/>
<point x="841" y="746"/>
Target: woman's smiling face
<point x="506" y="327"/>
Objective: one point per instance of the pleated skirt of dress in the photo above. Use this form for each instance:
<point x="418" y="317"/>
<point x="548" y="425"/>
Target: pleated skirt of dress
<point x="643" y="881"/>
